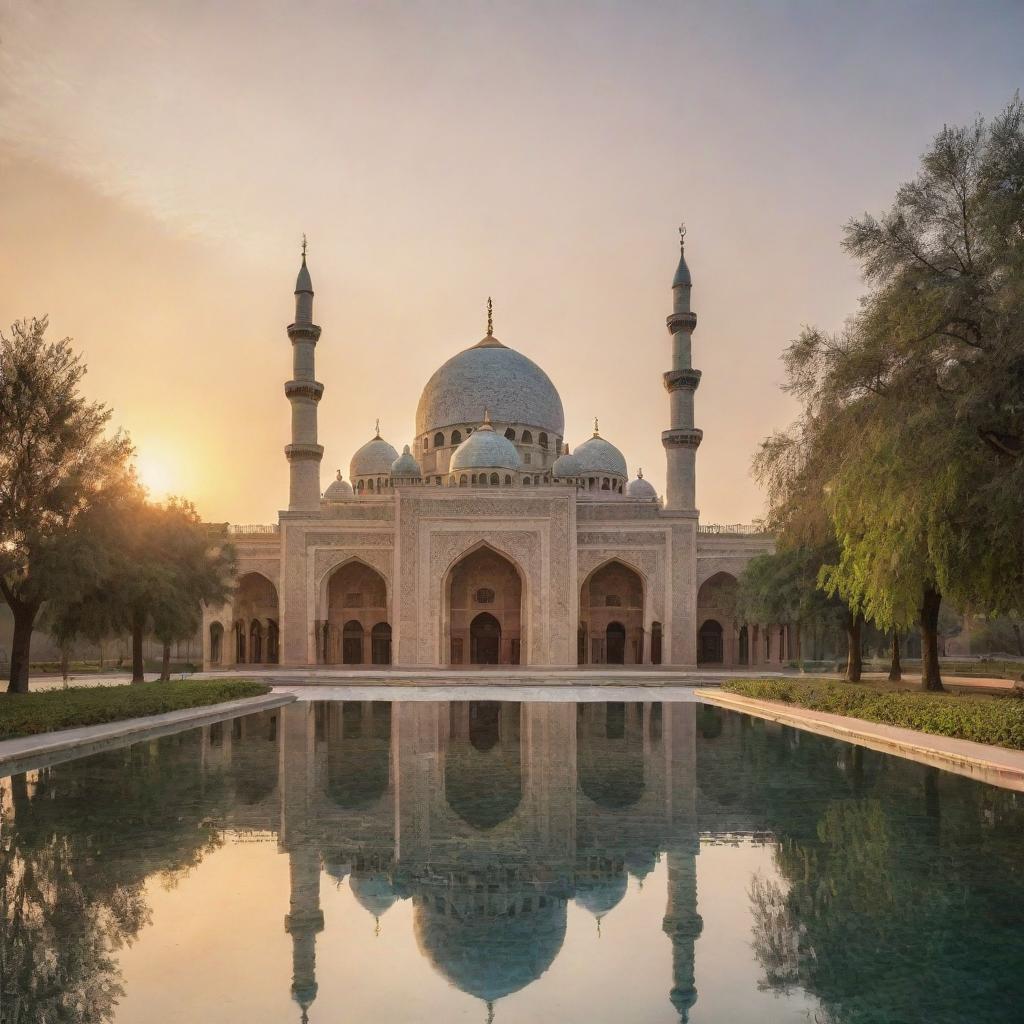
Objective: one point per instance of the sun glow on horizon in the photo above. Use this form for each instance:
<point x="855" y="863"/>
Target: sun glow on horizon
<point x="156" y="475"/>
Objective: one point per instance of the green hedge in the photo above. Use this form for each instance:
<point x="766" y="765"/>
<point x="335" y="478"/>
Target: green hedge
<point x="31" y="713"/>
<point x="984" y="719"/>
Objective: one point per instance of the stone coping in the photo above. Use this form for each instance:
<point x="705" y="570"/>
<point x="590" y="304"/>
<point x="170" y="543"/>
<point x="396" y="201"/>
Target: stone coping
<point x="554" y="693"/>
<point x="997" y="766"/>
<point x="28" y="752"/>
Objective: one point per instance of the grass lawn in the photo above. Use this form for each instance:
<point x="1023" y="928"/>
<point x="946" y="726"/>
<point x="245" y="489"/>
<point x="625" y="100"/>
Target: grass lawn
<point x="48" y="710"/>
<point x="984" y="718"/>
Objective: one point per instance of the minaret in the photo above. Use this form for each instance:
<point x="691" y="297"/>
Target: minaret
<point x="304" y="392"/>
<point x="682" y="439"/>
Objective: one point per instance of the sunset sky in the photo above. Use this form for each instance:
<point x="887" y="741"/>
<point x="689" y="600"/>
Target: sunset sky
<point x="159" y="163"/>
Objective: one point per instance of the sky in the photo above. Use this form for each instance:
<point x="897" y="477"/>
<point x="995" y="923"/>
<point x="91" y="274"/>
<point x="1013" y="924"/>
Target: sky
<point x="159" y="164"/>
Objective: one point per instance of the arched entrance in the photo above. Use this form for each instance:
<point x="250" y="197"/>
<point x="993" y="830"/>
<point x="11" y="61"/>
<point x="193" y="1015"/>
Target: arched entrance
<point x="484" y="640"/>
<point x="612" y="617"/>
<point x="709" y="643"/>
<point x="352" y="643"/>
<point x="483" y="619"/>
<point x="716" y="603"/>
<point x="255" y="615"/>
<point x="355" y="628"/>
<point x="615" y="643"/>
<point x="216" y="642"/>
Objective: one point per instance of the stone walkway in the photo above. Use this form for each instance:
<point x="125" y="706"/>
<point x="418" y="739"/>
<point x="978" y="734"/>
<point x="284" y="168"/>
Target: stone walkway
<point x="998" y="766"/>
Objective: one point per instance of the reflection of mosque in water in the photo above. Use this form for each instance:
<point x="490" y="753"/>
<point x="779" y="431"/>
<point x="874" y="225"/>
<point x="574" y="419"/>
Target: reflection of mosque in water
<point x="489" y="816"/>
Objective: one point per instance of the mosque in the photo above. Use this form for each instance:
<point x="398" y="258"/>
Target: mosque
<point x="488" y="539"/>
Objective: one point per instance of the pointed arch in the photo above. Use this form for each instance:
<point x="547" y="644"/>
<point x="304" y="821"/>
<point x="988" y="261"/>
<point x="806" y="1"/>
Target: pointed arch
<point x="614" y="594"/>
<point x="353" y="594"/>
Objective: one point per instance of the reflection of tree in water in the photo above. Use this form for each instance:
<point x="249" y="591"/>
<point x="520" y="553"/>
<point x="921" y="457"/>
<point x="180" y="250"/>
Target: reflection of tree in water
<point x="72" y="893"/>
<point x="903" y="887"/>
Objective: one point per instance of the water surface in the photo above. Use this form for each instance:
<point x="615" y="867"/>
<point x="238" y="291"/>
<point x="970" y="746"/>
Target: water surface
<point x="515" y="862"/>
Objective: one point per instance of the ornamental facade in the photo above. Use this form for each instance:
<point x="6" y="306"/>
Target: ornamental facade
<point x="489" y="540"/>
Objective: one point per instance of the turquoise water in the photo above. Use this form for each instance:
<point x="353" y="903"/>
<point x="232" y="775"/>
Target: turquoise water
<point x="507" y="862"/>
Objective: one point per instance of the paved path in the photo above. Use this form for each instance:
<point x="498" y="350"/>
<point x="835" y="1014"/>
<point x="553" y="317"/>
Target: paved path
<point x="25" y="752"/>
<point x="998" y="766"/>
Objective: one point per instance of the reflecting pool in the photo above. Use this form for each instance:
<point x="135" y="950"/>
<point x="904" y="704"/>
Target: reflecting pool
<point x="509" y="862"/>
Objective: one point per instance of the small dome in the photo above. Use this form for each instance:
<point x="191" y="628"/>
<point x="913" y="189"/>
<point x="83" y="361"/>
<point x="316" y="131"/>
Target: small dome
<point x="375" y="458"/>
<point x="485" y="449"/>
<point x="405" y="467"/>
<point x="339" y="489"/>
<point x="641" y="489"/>
<point x="566" y="466"/>
<point x="601" y="894"/>
<point x="596" y="455"/>
<point x="374" y="893"/>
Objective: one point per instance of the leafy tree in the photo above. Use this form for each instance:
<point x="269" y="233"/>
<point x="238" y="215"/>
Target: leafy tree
<point x="60" y="475"/>
<point x="783" y="587"/>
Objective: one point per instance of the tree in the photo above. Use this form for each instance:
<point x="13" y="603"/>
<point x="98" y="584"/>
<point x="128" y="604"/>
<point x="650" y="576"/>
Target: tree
<point x="59" y="475"/>
<point x="783" y="587"/>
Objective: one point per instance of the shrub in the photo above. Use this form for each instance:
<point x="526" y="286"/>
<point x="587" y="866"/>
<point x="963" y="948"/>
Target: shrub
<point x="28" y="714"/>
<point x="984" y="719"/>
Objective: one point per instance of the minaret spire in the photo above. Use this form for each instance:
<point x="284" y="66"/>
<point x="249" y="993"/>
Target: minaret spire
<point x="304" y="392"/>
<point x="682" y="439"/>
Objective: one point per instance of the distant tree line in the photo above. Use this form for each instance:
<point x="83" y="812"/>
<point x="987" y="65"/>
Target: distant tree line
<point x="901" y="484"/>
<point x="82" y="550"/>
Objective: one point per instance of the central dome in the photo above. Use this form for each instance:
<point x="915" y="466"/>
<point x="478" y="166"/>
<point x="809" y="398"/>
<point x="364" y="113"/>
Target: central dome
<point x="490" y="376"/>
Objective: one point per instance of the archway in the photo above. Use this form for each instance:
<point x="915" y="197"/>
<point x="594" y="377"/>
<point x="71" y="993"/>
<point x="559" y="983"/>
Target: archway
<point x="357" y="609"/>
<point x="484" y="640"/>
<point x="743" y="657"/>
<point x="484" y="613"/>
<point x="612" y="595"/>
<point x="709" y="643"/>
<point x="716" y="602"/>
<point x="615" y="643"/>
<point x="255" y="614"/>
<point x="216" y="642"/>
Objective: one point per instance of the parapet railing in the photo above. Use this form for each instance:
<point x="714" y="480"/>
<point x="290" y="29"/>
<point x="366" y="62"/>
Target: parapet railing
<point x="252" y="529"/>
<point x="747" y="529"/>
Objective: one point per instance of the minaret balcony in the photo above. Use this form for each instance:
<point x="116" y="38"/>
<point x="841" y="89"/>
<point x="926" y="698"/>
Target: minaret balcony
<point x="304" y="452"/>
<point x="676" y="380"/>
<point x="304" y="332"/>
<point x="682" y="437"/>
<point x="310" y="389"/>
<point x="677" y="322"/>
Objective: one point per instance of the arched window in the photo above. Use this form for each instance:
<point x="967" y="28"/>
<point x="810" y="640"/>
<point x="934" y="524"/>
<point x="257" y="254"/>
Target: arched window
<point x="508" y="480"/>
<point x="456" y="437"/>
<point x="369" y="486"/>
<point x="542" y="440"/>
<point x="510" y="434"/>
<point x="605" y="484"/>
<point x="439" y="440"/>
<point x="482" y="480"/>
<point x="485" y="595"/>
<point x="462" y="480"/>
<point x="359" y="487"/>
<point x="527" y="437"/>
<point x="426" y="443"/>
<point x="495" y="480"/>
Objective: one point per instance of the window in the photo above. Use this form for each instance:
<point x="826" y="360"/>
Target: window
<point x="426" y="443"/>
<point x="508" y="480"/>
<point x="456" y="437"/>
<point x="527" y="437"/>
<point x="605" y="485"/>
<point x="542" y="440"/>
<point x="484" y="596"/>
<point x="439" y="440"/>
<point x="495" y="480"/>
<point x="526" y="458"/>
<point x="369" y="486"/>
<point x="462" y="480"/>
<point x="437" y="479"/>
<point x="510" y="434"/>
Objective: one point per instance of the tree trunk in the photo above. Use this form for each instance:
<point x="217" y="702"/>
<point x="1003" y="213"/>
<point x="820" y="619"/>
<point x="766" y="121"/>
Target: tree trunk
<point x="65" y="665"/>
<point x="1019" y="634"/>
<point x="799" y="647"/>
<point x="21" y="644"/>
<point x="138" y="629"/>
<point x="165" y="664"/>
<point x="931" y="678"/>
<point x="854" y="663"/>
<point x="895" y="669"/>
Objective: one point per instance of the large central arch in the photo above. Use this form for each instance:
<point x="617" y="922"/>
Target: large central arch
<point x="717" y="632"/>
<point x="484" y="614"/>
<point x="254" y="609"/>
<point x="612" y="616"/>
<point x="355" y="628"/>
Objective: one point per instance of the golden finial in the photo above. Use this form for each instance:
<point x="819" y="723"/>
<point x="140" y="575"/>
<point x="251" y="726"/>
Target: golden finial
<point x="376" y="927"/>
<point x="682" y="234"/>
<point x="376" y="428"/>
<point x="640" y="474"/>
<point x="490" y="1012"/>
<point x="597" y="432"/>
<point x="487" y="418"/>
<point x="303" y="247"/>
<point x="490" y="318"/>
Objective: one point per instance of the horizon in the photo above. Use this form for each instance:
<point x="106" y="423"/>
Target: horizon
<point x="162" y="165"/>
